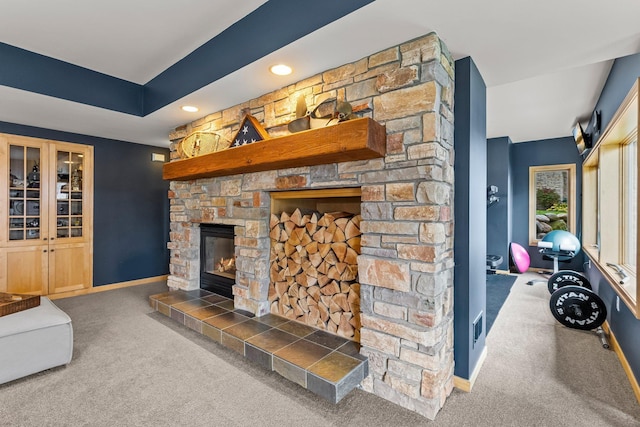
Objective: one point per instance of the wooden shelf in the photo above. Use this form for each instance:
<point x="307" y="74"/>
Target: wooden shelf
<point x="359" y="139"/>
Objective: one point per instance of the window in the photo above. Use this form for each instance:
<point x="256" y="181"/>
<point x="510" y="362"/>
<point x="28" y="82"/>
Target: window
<point x="552" y="200"/>
<point x="630" y="204"/>
<point x="610" y="202"/>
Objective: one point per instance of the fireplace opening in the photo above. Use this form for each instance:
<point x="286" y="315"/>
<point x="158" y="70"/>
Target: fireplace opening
<point x="217" y="259"/>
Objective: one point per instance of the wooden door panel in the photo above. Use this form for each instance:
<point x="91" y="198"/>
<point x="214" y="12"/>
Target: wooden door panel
<point x="68" y="268"/>
<point x="24" y="270"/>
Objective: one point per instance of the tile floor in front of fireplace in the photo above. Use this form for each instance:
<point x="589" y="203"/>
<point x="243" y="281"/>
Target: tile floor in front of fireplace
<point x="325" y="364"/>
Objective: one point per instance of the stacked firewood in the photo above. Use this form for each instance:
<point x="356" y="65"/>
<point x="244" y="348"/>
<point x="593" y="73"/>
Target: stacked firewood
<point x="314" y="270"/>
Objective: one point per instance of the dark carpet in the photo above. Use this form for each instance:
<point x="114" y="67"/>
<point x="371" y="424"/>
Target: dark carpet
<point x="498" y="288"/>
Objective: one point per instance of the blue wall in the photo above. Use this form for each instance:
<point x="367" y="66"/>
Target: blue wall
<point x="541" y="153"/>
<point x="624" y="325"/>
<point x="622" y="76"/>
<point x="470" y="201"/>
<point x="131" y="208"/>
<point x="499" y="214"/>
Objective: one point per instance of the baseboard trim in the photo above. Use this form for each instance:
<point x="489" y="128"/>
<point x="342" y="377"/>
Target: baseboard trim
<point x="466" y="385"/>
<point x="507" y="272"/>
<point x="613" y="343"/>
<point x="110" y="287"/>
<point x="540" y="270"/>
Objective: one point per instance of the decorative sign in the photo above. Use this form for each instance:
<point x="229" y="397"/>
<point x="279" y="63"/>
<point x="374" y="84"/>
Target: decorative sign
<point x="250" y="131"/>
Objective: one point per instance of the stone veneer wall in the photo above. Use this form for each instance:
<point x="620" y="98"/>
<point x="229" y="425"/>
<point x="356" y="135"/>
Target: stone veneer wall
<point x="406" y="265"/>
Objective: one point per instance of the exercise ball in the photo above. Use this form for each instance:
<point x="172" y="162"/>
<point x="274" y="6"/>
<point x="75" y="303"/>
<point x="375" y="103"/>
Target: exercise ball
<point x="564" y="245"/>
<point x="519" y="258"/>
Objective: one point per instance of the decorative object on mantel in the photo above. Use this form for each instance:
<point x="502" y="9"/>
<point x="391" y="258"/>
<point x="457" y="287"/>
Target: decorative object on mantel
<point x="199" y="143"/>
<point x="250" y="131"/>
<point x="328" y="112"/>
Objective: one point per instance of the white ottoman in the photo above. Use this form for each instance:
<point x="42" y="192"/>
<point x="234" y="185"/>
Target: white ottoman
<point x="33" y="340"/>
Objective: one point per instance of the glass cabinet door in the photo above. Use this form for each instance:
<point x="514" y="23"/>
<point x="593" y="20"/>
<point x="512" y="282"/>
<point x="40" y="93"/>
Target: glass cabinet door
<point x="25" y="197"/>
<point x="46" y="241"/>
<point x="69" y="194"/>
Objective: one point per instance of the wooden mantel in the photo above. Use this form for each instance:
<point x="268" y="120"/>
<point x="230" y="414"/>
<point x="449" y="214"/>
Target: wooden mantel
<point x="358" y="139"/>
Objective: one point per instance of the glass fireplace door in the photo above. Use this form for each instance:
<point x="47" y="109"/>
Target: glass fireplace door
<point x="217" y="259"/>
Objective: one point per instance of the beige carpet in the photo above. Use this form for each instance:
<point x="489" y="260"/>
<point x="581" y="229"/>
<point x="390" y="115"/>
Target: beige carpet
<point x="540" y="373"/>
<point x="132" y="367"/>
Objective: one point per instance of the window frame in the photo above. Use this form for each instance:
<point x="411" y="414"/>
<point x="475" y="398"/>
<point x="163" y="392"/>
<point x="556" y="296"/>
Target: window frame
<point x="629" y="161"/>
<point x="604" y="199"/>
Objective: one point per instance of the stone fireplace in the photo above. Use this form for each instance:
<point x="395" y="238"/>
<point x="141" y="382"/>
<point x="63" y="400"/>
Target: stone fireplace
<point x="404" y="215"/>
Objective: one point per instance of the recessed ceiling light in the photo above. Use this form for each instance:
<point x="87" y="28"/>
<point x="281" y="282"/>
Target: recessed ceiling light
<point x="281" y="70"/>
<point x="189" y="108"/>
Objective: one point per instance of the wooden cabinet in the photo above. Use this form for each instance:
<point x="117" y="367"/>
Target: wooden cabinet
<point x="46" y="217"/>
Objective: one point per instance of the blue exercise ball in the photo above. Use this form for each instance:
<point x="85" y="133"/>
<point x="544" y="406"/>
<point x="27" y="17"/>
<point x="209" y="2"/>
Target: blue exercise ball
<point x="562" y="242"/>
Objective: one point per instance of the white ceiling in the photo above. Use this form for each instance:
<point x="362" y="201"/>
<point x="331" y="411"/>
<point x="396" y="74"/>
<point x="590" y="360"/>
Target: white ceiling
<point x="544" y="62"/>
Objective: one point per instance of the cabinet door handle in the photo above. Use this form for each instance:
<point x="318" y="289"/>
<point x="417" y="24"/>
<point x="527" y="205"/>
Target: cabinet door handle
<point x="44" y="250"/>
<point x="51" y="238"/>
<point x="52" y="250"/>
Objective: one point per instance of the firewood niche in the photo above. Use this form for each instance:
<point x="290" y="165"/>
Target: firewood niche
<point x="315" y="243"/>
<point x="358" y="139"/>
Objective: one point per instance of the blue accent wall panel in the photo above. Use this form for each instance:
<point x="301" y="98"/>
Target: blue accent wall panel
<point x="470" y="243"/>
<point x="131" y="207"/>
<point x="41" y="74"/>
<point x="284" y="21"/>
<point x="622" y="76"/>
<point x="131" y="220"/>
<point x="499" y="214"/>
<point x="270" y="27"/>
<point x="542" y="153"/>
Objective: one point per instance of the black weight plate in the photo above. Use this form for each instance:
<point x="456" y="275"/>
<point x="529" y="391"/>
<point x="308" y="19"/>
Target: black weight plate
<point x="567" y="278"/>
<point x="578" y="308"/>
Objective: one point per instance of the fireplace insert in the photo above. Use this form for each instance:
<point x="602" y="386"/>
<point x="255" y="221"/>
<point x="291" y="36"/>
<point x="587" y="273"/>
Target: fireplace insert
<point x="217" y="259"/>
